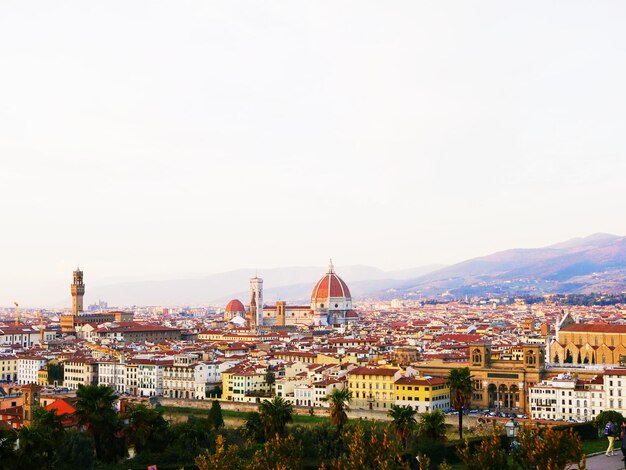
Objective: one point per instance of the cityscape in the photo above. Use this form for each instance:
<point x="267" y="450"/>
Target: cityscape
<point x="322" y="235"/>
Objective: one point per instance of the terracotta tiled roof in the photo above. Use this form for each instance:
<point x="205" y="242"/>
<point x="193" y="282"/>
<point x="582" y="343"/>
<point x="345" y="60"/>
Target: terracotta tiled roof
<point x="595" y="328"/>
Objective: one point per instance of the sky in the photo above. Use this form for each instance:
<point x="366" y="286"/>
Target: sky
<point x="154" y="139"/>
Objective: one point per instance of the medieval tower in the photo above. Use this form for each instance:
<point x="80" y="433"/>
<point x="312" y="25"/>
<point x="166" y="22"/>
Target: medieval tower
<point x="78" y="291"/>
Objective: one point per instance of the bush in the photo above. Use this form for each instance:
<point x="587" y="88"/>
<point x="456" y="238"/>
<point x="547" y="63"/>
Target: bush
<point x="586" y="431"/>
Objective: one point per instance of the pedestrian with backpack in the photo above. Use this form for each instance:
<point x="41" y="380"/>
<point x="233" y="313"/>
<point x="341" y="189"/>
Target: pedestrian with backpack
<point x="609" y="432"/>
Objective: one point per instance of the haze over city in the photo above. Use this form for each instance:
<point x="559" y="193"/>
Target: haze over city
<point x="167" y="142"/>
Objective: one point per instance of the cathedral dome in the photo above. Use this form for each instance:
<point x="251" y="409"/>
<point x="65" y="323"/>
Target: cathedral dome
<point x="330" y="292"/>
<point x="235" y="306"/>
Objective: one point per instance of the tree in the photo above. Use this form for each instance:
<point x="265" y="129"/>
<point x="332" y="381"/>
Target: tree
<point x="363" y="453"/>
<point x="55" y="373"/>
<point x="94" y="410"/>
<point x="34" y="449"/>
<point x="38" y="444"/>
<point x="8" y="456"/>
<point x="278" y="454"/>
<point x="275" y="415"/>
<point x="145" y="428"/>
<point x="549" y="449"/>
<point x="606" y="416"/>
<point x="270" y="379"/>
<point x="216" y="420"/>
<point x="568" y="357"/>
<point x="461" y="389"/>
<point x="76" y="452"/>
<point x="432" y="426"/>
<point x="253" y="429"/>
<point x="339" y="399"/>
<point x="489" y="455"/>
<point x="224" y="458"/>
<point x="403" y="422"/>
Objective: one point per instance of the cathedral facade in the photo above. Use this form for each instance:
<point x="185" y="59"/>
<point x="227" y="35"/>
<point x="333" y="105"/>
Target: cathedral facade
<point x="331" y="304"/>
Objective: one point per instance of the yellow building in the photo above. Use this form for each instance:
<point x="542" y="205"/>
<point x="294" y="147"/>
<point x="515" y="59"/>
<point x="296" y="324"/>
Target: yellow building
<point x="42" y="376"/>
<point x="227" y="384"/>
<point x="422" y="393"/>
<point x="8" y="368"/>
<point x="373" y="388"/>
<point x="244" y="385"/>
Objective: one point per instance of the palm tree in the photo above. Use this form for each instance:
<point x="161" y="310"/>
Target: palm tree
<point x="339" y="398"/>
<point x="403" y="422"/>
<point x="275" y="415"/>
<point x="461" y="389"/>
<point x="94" y="410"/>
<point x="432" y="425"/>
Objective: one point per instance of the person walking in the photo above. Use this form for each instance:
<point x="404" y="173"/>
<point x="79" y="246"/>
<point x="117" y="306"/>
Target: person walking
<point x="609" y="432"/>
<point x="622" y="438"/>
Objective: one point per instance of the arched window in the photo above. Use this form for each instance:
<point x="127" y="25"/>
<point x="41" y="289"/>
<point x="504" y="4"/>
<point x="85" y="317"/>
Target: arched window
<point x="477" y="357"/>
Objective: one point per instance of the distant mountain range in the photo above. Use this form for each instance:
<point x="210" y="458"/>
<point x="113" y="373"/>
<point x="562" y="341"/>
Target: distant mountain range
<point x="596" y="263"/>
<point x="291" y="283"/>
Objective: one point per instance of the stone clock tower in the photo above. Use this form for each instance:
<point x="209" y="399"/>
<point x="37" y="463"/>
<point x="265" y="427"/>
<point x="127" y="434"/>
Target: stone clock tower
<point x="78" y="290"/>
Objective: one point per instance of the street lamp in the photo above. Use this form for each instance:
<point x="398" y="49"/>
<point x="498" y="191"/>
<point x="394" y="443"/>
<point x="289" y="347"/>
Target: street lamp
<point x="512" y="427"/>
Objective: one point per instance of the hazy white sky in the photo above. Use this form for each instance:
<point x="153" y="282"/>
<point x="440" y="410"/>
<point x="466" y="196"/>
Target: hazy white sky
<point x="148" y="139"/>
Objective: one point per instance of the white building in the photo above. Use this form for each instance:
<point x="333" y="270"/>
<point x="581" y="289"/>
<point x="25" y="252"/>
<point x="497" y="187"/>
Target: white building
<point x="565" y="398"/>
<point x="615" y="390"/>
<point x="312" y="395"/>
<point x="25" y="336"/>
<point x="28" y="368"/>
<point x="149" y="377"/>
<point x="178" y="377"/>
<point x="113" y="374"/>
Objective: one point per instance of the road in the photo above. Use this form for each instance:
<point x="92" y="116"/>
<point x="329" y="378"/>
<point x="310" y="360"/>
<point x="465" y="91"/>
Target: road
<point x="602" y="462"/>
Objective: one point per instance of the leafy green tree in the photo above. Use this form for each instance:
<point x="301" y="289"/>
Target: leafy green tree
<point x="224" y="458"/>
<point x="216" y="420"/>
<point x="39" y="442"/>
<point x="489" y="455"/>
<point x="186" y="440"/>
<point x="600" y="421"/>
<point x="275" y="415"/>
<point x="145" y="428"/>
<point x="55" y="373"/>
<point x="34" y="449"/>
<point x="461" y="389"/>
<point x="76" y="452"/>
<point x="278" y="454"/>
<point x="270" y="379"/>
<point x="339" y="399"/>
<point x="403" y="422"/>
<point x="94" y="410"/>
<point x="253" y="429"/>
<point x="432" y="426"/>
<point x="8" y="456"/>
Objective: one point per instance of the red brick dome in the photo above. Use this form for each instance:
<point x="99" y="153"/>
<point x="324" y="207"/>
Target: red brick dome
<point x="329" y="286"/>
<point x="235" y="306"/>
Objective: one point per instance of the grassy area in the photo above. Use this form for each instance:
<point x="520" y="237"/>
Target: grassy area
<point x="595" y="445"/>
<point x="234" y="418"/>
